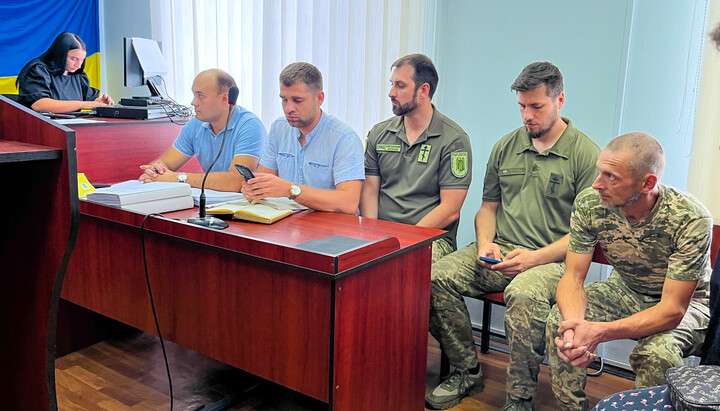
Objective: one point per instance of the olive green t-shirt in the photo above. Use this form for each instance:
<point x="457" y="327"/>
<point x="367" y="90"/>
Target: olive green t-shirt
<point x="411" y="176"/>
<point x="673" y="241"/>
<point x="536" y="190"/>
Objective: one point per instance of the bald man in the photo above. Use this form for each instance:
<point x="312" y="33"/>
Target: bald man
<point x="202" y="136"/>
<point x="657" y="239"/>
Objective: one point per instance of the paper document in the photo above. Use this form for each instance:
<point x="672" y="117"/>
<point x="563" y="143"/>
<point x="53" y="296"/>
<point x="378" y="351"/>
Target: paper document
<point x="134" y="191"/>
<point x="215" y="197"/>
<point x="265" y="211"/>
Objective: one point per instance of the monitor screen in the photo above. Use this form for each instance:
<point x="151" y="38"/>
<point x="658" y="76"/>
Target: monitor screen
<point x="144" y="64"/>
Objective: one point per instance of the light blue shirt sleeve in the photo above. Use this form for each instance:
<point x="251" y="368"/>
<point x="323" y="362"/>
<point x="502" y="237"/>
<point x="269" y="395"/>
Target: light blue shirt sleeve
<point x="349" y="159"/>
<point x="269" y="156"/>
<point x="250" y="138"/>
<point x="184" y="141"/>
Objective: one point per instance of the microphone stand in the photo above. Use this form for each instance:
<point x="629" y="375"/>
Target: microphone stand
<point x="202" y="220"/>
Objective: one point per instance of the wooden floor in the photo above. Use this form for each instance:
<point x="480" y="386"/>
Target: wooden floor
<point x="129" y="374"/>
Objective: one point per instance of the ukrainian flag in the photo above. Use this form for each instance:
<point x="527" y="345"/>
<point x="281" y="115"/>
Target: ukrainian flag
<point x="30" y="26"/>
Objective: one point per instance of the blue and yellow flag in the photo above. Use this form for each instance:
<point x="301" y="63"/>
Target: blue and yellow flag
<point x="30" y="26"/>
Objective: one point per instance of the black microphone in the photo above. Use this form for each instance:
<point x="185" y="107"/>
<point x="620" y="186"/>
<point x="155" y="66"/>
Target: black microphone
<point x="214" y="222"/>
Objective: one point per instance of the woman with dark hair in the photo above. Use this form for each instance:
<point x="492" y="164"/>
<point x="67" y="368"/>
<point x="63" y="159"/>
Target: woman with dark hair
<point x="56" y="80"/>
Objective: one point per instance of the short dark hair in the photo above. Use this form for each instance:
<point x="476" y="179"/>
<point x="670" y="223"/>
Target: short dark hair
<point x="537" y="74"/>
<point x="647" y="153"/>
<point x="425" y="71"/>
<point x="224" y="81"/>
<point x="715" y="36"/>
<point x="55" y="57"/>
<point x="305" y="72"/>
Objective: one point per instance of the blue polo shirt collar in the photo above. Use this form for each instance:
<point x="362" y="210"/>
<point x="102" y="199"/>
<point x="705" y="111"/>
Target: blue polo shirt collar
<point x="315" y="131"/>
<point x="229" y="126"/>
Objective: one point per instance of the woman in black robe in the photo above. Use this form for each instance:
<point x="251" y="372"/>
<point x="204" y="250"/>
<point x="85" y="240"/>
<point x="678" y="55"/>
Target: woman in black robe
<point x="56" y="80"/>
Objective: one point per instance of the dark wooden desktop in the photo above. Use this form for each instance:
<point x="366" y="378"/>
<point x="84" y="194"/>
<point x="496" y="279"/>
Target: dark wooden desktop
<point x="349" y="328"/>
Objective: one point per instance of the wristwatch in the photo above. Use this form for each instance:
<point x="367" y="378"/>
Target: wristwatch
<point x="182" y="177"/>
<point x="294" y="191"/>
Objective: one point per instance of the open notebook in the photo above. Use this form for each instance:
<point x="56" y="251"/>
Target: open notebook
<point x="265" y="211"/>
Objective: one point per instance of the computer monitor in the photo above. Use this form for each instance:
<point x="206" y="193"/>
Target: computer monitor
<point x="144" y="65"/>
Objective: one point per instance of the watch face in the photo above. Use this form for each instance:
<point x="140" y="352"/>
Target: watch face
<point x="295" y="190"/>
<point x="182" y="177"/>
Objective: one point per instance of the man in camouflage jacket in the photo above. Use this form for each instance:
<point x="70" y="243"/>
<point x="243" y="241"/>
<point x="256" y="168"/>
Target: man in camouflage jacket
<point x="657" y="239"/>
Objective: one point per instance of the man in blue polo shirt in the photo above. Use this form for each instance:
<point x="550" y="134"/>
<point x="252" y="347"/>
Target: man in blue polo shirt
<point x="202" y="136"/>
<point x="310" y="156"/>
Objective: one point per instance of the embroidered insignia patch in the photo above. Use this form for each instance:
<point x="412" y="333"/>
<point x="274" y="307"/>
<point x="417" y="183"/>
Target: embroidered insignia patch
<point x="424" y="153"/>
<point x="511" y="171"/>
<point x="459" y="164"/>
<point x="387" y="147"/>
<point x="554" y="184"/>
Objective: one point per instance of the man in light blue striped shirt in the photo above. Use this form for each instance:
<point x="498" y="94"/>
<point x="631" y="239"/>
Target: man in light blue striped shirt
<point x="310" y="156"/>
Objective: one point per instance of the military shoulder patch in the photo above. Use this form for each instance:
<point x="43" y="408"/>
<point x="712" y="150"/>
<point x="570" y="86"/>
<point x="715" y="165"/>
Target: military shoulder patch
<point x="459" y="164"/>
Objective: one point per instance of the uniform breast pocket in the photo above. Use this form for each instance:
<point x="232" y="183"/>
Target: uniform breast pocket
<point x="286" y="165"/>
<point x="554" y="187"/>
<point x="511" y="177"/>
<point x="319" y="175"/>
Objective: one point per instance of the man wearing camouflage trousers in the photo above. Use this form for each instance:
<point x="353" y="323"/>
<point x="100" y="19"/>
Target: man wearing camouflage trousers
<point x="532" y="178"/>
<point x="657" y="239"/>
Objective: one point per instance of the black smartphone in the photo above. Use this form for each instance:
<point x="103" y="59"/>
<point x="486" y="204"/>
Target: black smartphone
<point x="245" y="171"/>
<point x="489" y="260"/>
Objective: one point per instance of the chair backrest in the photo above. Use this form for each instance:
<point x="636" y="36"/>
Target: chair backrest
<point x="599" y="256"/>
<point x="715" y="243"/>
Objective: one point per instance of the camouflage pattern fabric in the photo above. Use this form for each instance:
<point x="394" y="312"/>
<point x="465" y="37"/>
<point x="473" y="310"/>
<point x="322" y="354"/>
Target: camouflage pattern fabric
<point x="440" y="248"/>
<point x="673" y="241"/>
<point x="612" y="300"/>
<point x="529" y="297"/>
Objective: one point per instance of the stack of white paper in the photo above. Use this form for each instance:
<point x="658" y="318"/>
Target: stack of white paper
<point x="215" y="197"/>
<point x="157" y="197"/>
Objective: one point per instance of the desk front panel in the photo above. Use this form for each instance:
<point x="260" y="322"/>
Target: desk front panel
<point x="113" y="151"/>
<point x="263" y="317"/>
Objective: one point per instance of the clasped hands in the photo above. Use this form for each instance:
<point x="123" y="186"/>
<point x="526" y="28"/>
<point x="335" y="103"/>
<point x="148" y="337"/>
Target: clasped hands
<point x="578" y="341"/>
<point x="514" y="263"/>
<point x="265" y="185"/>
<point x="156" y="172"/>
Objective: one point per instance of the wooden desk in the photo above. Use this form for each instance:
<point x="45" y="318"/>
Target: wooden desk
<point x="112" y="151"/>
<point x="349" y="329"/>
<point x="38" y="227"/>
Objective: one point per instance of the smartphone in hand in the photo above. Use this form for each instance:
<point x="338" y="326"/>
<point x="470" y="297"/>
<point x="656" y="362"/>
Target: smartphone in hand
<point x="489" y="260"/>
<point x="245" y="171"/>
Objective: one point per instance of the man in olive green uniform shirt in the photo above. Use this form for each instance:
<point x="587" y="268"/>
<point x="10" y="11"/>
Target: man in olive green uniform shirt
<point x="657" y="238"/>
<point x="532" y="178"/>
<point x="418" y="165"/>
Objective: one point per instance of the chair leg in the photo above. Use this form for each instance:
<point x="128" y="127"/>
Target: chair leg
<point x="444" y="364"/>
<point x="485" y="333"/>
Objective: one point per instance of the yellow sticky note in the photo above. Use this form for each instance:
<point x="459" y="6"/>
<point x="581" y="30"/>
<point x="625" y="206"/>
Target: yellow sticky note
<point x="84" y="186"/>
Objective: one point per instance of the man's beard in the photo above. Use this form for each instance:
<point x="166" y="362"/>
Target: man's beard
<point x="540" y="133"/>
<point x="626" y="203"/>
<point x="403" y="109"/>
